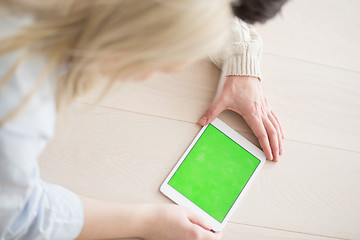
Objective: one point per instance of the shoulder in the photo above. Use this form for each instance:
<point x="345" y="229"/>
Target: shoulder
<point x="38" y="114"/>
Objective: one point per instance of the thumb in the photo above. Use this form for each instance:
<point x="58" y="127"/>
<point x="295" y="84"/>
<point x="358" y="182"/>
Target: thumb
<point x="198" y="220"/>
<point x="212" y="112"/>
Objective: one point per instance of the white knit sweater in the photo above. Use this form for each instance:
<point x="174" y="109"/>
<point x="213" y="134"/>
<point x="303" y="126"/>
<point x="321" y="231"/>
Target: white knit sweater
<point x="243" y="56"/>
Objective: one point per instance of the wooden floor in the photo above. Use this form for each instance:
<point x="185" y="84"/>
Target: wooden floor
<point x="126" y="145"/>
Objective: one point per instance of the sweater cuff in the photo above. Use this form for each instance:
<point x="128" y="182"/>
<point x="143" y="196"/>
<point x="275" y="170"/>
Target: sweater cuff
<point x="242" y="65"/>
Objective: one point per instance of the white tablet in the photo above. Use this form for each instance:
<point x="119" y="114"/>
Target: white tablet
<point x="214" y="173"/>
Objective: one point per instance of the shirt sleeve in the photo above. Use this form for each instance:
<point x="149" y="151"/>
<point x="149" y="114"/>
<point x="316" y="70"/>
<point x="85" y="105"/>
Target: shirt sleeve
<point x="29" y="207"/>
<point x="243" y="56"/>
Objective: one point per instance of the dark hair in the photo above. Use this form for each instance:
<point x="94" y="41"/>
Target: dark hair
<point x="252" y="11"/>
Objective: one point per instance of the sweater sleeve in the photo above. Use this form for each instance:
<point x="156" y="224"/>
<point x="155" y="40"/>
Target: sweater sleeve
<point x="243" y="56"/>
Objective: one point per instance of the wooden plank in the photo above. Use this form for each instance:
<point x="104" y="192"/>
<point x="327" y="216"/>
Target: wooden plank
<point x="322" y="31"/>
<point x="183" y="96"/>
<point x="316" y="104"/>
<point x="121" y="156"/>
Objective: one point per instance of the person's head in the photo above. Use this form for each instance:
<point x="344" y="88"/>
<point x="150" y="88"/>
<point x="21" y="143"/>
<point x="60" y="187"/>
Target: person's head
<point x="127" y="38"/>
<point x="252" y="11"/>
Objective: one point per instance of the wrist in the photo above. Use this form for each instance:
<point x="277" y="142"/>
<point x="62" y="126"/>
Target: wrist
<point x="109" y="220"/>
<point x="144" y="218"/>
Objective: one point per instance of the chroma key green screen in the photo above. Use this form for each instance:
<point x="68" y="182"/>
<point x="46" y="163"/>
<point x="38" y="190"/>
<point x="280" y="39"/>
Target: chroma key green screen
<point x="214" y="173"/>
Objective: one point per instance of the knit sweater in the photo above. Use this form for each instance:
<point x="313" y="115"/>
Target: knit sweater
<point x="242" y="57"/>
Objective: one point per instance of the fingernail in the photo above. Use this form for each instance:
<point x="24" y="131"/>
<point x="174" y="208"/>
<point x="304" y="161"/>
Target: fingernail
<point x="203" y="120"/>
<point x="276" y="158"/>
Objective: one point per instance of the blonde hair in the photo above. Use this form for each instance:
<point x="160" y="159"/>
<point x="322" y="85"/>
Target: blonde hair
<point x="140" y="34"/>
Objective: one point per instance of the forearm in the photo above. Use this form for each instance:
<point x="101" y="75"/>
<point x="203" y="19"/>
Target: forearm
<point x="106" y="220"/>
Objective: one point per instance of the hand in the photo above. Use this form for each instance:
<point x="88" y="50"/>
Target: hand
<point x="170" y="222"/>
<point x="109" y="220"/>
<point x="244" y="95"/>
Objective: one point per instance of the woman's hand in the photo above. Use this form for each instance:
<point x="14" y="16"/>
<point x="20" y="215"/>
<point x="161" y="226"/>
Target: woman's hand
<point x="109" y="220"/>
<point x="170" y="222"/>
<point x="244" y="95"/>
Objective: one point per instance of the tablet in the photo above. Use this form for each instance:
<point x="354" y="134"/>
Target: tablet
<point x="213" y="174"/>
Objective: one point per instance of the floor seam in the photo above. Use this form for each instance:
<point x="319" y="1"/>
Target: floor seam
<point x="284" y="230"/>
<point x="308" y="61"/>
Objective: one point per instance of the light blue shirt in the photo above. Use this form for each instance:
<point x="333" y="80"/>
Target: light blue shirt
<point x="29" y="207"/>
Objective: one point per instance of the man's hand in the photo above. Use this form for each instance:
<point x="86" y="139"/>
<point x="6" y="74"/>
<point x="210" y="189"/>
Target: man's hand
<point x="244" y="95"/>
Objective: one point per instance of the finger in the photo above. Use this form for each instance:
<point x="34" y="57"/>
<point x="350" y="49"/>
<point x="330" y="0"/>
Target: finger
<point x="203" y="230"/>
<point x="279" y="124"/>
<point x="257" y="126"/>
<point x="272" y="135"/>
<point x="276" y="125"/>
<point x="213" y="111"/>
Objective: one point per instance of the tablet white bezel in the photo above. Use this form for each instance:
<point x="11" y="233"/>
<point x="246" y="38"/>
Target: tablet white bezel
<point x="178" y="198"/>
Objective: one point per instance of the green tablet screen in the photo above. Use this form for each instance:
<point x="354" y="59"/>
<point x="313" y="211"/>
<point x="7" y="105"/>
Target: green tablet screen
<point x="214" y="173"/>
